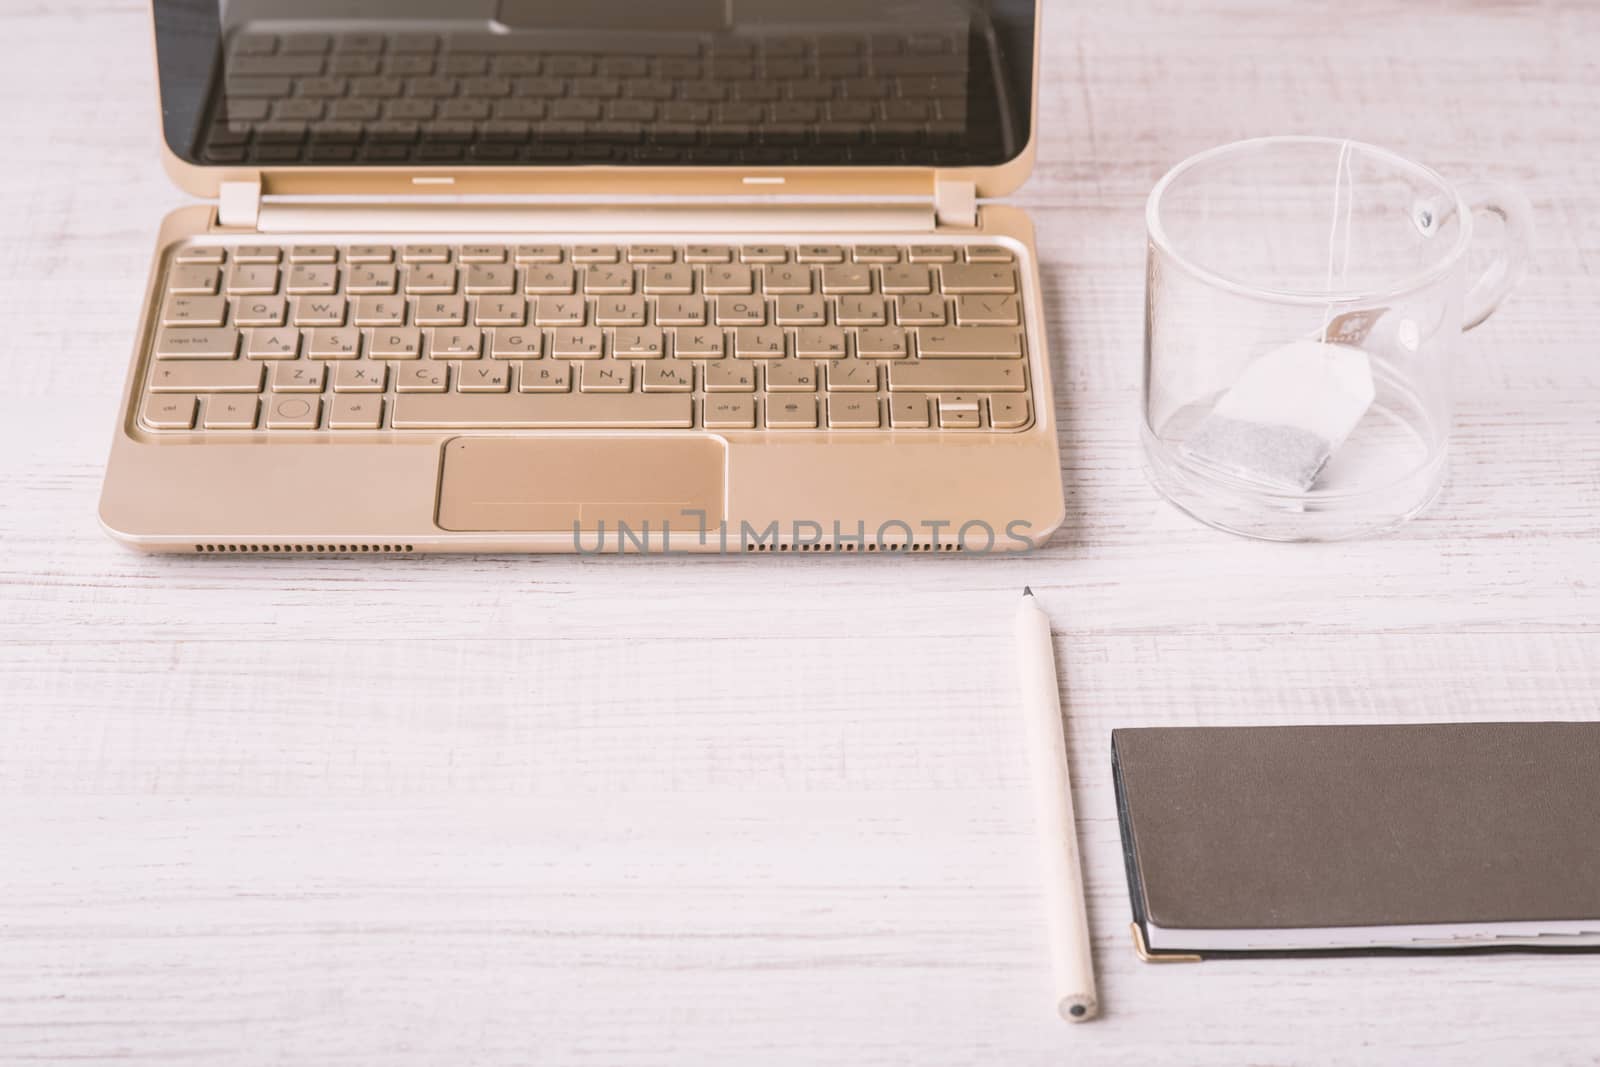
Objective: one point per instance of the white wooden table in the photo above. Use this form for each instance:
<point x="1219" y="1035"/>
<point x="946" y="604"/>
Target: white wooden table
<point x="508" y="810"/>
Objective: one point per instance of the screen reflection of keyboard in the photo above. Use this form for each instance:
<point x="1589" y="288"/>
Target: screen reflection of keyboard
<point x="391" y="98"/>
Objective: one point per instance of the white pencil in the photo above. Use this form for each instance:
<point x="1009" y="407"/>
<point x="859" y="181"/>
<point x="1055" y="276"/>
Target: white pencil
<point x="1058" y="838"/>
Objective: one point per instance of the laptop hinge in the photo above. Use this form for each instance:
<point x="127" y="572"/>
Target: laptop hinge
<point x="955" y="203"/>
<point x="239" y="203"/>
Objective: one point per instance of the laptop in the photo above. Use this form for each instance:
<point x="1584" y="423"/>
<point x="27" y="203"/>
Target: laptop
<point x="542" y="276"/>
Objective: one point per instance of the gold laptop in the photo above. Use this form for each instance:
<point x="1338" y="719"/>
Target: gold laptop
<point x="544" y="276"/>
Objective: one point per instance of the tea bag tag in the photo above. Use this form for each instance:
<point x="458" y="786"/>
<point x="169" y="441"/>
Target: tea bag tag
<point x="1287" y="414"/>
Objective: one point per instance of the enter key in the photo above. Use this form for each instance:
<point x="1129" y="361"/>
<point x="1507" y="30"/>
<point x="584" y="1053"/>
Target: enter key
<point x="968" y="342"/>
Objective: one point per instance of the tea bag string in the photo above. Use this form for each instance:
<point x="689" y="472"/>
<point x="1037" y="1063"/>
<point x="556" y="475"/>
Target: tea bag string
<point x="1342" y="180"/>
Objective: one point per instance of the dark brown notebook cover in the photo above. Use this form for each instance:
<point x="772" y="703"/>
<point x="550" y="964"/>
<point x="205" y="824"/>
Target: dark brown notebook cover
<point x="1293" y="827"/>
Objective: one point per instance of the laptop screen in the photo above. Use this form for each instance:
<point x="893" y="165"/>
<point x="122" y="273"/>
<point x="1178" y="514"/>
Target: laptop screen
<point x="284" y="83"/>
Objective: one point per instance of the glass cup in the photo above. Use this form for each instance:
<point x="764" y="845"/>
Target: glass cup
<point x="1304" y="298"/>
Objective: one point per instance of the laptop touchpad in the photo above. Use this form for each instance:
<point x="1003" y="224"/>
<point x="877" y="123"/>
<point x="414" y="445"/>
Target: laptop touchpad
<point x="562" y="483"/>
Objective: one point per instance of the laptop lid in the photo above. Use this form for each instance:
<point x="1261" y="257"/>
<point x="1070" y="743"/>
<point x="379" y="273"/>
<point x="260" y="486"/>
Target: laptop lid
<point x="709" y="97"/>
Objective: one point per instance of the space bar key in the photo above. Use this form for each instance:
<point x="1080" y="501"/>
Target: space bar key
<point x="556" y="411"/>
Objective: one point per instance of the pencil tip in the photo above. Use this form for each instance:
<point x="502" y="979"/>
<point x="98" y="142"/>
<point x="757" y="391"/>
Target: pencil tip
<point x="1027" y="590"/>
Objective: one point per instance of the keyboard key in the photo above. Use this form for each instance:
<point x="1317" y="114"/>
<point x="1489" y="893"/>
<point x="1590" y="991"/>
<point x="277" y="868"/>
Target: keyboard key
<point x="752" y="342"/>
<point x="853" y="412"/>
<point x="355" y="412"/>
<point x="907" y="279"/>
<point x="852" y="376"/>
<point x="318" y="310"/>
<point x="978" y="374"/>
<point x="231" y="412"/>
<point x="194" y="311"/>
<point x="211" y="343"/>
<point x="516" y="344"/>
<point x="580" y="343"/>
<point x="299" y="377"/>
<point x="680" y="311"/>
<point x="294" y="412"/>
<point x="281" y="343"/>
<point x="261" y="311"/>
<point x="441" y="311"/>
<point x="882" y="342"/>
<point x="378" y="278"/>
<point x="231" y="376"/>
<point x="425" y="254"/>
<point x="200" y="254"/>
<point x="958" y="412"/>
<point x="455" y="344"/>
<point x="253" y="279"/>
<point x="491" y="278"/>
<point x="619" y="311"/>
<point x="987" y="341"/>
<point x="819" y="254"/>
<point x="820" y="343"/>
<point x="423" y="376"/>
<point x="500" y="311"/>
<point x="431" y="278"/>
<point x="606" y="376"/>
<point x="793" y="376"/>
<point x="988" y="311"/>
<point x="699" y="344"/>
<point x="595" y="254"/>
<point x="730" y="412"/>
<point x="977" y="278"/>
<point x="538" y="254"/>
<point x="403" y="342"/>
<point x="792" y="413"/>
<point x="707" y="254"/>
<point x="908" y="412"/>
<point x="538" y="411"/>
<point x="171" y="412"/>
<point x="730" y="378"/>
<point x="860" y="311"/>
<point x="197" y="279"/>
<point x="668" y="378"/>
<point x="380" y="311"/>
<point x="1008" y="412"/>
<point x="786" y="279"/>
<point x="849" y="278"/>
<point x="483" y="378"/>
<point x="741" y="311"/>
<point x="360" y="377"/>
<point x="919" y="310"/>
<point x="733" y="279"/>
<point x="669" y="279"/>
<point x="544" y="279"/>
<point x="545" y="378"/>
<point x="640" y="343"/>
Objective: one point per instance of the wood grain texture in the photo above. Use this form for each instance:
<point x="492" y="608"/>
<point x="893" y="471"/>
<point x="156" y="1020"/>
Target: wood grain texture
<point x="499" y="810"/>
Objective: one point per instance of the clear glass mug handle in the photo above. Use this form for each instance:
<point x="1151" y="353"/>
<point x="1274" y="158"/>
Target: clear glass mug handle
<point x="1511" y="260"/>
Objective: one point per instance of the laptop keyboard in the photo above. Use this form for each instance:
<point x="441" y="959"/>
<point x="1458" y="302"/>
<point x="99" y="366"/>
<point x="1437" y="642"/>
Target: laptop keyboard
<point x="357" y="339"/>
<point x="522" y="97"/>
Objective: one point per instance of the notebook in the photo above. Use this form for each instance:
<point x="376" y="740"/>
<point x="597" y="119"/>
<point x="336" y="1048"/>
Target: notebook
<point x="1325" y="839"/>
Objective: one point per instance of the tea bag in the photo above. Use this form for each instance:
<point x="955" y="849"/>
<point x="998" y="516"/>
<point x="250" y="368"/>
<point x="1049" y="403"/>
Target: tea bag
<point x="1286" y="415"/>
<point x="1292" y="408"/>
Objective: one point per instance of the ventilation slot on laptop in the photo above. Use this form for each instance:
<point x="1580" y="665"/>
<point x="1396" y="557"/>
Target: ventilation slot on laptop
<point x="853" y="547"/>
<point x="226" y="549"/>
